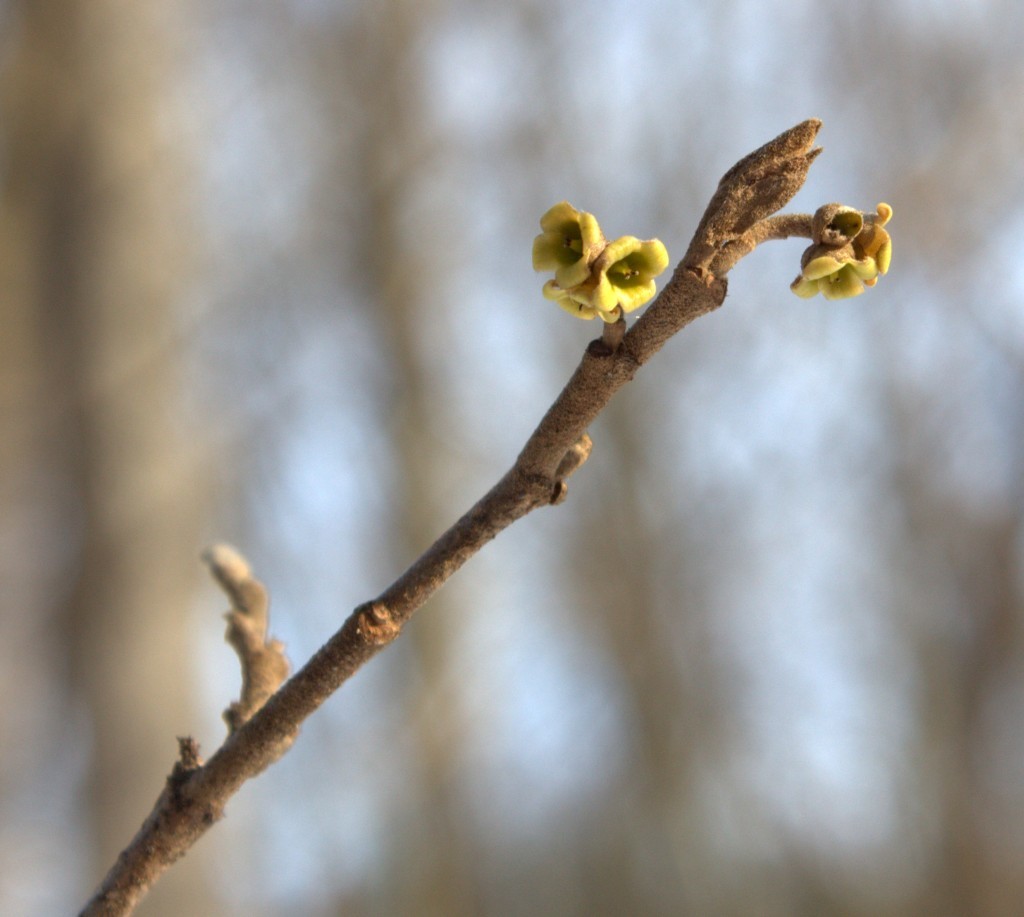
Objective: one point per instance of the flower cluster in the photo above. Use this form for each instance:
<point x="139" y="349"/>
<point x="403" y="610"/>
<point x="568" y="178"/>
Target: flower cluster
<point x="594" y="277"/>
<point x="850" y="250"/>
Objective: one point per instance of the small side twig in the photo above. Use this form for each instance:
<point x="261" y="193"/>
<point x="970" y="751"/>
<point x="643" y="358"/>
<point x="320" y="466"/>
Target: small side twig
<point x="773" y="228"/>
<point x="264" y="666"/>
<point x="612" y="334"/>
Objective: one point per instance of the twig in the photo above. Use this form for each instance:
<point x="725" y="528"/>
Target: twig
<point x="196" y="793"/>
<point x="772" y="228"/>
<point x="264" y="666"/>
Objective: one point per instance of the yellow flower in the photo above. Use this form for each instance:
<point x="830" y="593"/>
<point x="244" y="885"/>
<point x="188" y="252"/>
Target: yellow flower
<point x="594" y="277"/>
<point x="834" y="278"/>
<point x="842" y="271"/>
<point x="623" y="275"/>
<point x="568" y="245"/>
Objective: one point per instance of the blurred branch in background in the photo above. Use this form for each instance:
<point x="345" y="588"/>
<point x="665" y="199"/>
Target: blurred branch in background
<point x="96" y="463"/>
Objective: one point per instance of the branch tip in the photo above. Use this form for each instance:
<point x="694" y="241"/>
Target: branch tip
<point x="760" y="184"/>
<point x="226" y="563"/>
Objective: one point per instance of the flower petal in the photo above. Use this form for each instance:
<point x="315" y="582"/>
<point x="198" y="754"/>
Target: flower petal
<point x="580" y="310"/>
<point x="805" y="288"/>
<point x="552" y="290"/>
<point x="875" y="242"/>
<point x="570" y="242"/>
<point x="821" y="266"/>
<point x="884" y="255"/>
<point x="633" y="297"/>
<point x="550" y="251"/>
<point x="605" y="296"/>
<point x="844" y="284"/>
<point x="572" y="274"/>
<point x="866" y="269"/>
<point x="617" y="250"/>
<point x="560" y="218"/>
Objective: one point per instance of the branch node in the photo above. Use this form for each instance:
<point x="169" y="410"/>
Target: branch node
<point x="376" y="623"/>
<point x="573" y="459"/>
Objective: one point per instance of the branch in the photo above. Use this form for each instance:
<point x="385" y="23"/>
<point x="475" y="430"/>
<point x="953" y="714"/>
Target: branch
<point x="779" y="227"/>
<point x="196" y="793"/>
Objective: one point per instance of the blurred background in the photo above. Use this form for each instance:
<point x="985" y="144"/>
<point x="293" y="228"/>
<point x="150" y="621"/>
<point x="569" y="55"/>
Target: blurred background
<point x="265" y="278"/>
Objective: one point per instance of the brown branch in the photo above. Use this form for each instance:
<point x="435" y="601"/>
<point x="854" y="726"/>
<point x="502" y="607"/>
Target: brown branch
<point x="196" y="793"/>
<point x="772" y="228"/>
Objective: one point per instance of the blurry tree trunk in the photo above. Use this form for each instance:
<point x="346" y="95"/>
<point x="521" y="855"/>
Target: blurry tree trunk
<point x="968" y="648"/>
<point x="93" y="227"/>
<point x="394" y="248"/>
<point x="638" y="593"/>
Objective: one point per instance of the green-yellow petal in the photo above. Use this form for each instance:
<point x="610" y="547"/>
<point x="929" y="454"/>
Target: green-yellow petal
<point x="573" y="307"/>
<point x="633" y="297"/>
<point x="550" y="251"/>
<point x="884" y="255"/>
<point x="604" y="296"/>
<point x="843" y="284"/>
<point x="560" y="217"/>
<point x="572" y="274"/>
<point x="866" y="269"/>
<point x="578" y="309"/>
<point x="875" y="242"/>
<point x="648" y="257"/>
<point x="838" y="269"/>
<point x="590" y="232"/>
<point x="621" y="248"/>
<point x="552" y="290"/>
<point x="805" y="288"/>
<point x="570" y="242"/>
<point x="872" y="241"/>
<point x="822" y="266"/>
<point x="655" y="255"/>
